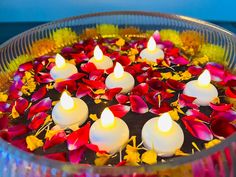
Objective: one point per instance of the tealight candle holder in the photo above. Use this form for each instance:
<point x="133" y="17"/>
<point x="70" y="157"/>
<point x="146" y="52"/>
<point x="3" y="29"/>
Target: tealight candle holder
<point x="62" y="70"/>
<point x="120" y="78"/>
<point x="69" y="111"/>
<point x="109" y="133"/>
<point x="163" y="135"/>
<point x="99" y="60"/>
<point x="202" y="89"/>
<point x="152" y="52"/>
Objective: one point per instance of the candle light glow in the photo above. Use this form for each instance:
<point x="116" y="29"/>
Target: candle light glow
<point x="107" y="118"/>
<point x="165" y="122"/>
<point x="118" y="70"/>
<point x="98" y="55"/>
<point x="60" y="61"/>
<point x="151" y="45"/>
<point x="204" y="79"/>
<point x="66" y="101"/>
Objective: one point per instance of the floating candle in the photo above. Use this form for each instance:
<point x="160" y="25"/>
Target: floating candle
<point x="109" y="133"/>
<point x="62" y="70"/>
<point x="69" y="111"/>
<point x="99" y="60"/>
<point x="152" y="52"/>
<point x="202" y="89"/>
<point x="163" y="135"/>
<point x="120" y="78"/>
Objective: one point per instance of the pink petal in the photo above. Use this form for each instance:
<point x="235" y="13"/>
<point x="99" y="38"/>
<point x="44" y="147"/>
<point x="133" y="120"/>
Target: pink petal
<point x="79" y="58"/>
<point x="141" y="89"/>
<point x="230" y="92"/>
<point x="221" y="107"/>
<point x="21" y="105"/>
<point x="137" y="104"/>
<point x="15" y="90"/>
<point x="58" y="138"/>
<point x="69" y="85"/>
<point x="17" y="130"/>
<point x="122" y="99"/>
<point x="217" y="71"/>
<point x="165" y="107"/>
<point x="88" y="67"/>
<point x="198" y="115"/>
<point x="229" y="115"/>
<point x="96" y="75"/>
<point x="180" y="60"/>
<point x="76" y="76"/>
<point x="156" y="36"/>
<point x="37" y="121"/>
<point x="44" y="78"/>
<point x="4" y="122"/>
<point x="78" y="138"/>
<point x="61" y="156"/>
<point x="124" y="60"/>
<point x="40" y="93"/>
<point x="94" y="84"/>
<point x="119" y="110"/>
<point x="4" y="107"/>
<point x="75" y="156"/>
<point x="110" y="93"/>
<point x="197" y="128"/>
<point x="176" y="85"/>
<point x="42" y="106"/>
<point x="26" y="66"/>
<point x="82" y="91"/>
<point x="222" y="128"/>
<point x="195" y="70"/>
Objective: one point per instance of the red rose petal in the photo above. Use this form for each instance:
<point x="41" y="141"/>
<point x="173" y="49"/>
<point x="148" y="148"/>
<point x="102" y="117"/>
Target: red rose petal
<point x="176" y="85"/>
<point x="43" y="78"/>
<point x="165" y="107"/>
<point x="231" y="83"/>
<point x="141" y="89"/>
<point x="198" y="115"/>
<point x="78" y="138"/>
<point x="230" y="92"/>
<point x="217" y="71"/>
<point x="96" y="75"/>
<point x="195" y="70"/>
<point x="185" y="100"/>
<point x="221" y="107"/>
<point x="229" y="115"/>
<point x="142" y="77"/>
<point x="21" y="144"/>
<point x="92" y="147"/>
<point x="110" y="93"/>
<point x="4" y="122"/>
<point x="173" y="52"/>
<point x="42" y="106"/>
<point x="69" y="85"/>
<point x="82" y="91"/>
<point x="21" y="104"/>
<point x="156" y="84"/>
<point x="94" y="84"/>
<point x="88" y="67"/>
<point x="76" y="76"/>
<point x="197" y="128"/>
<point x="79" y="58"/>
<point x="75" y="156"/>
<point x="61" y="156"/>
<point x="25" y="67"/>
<point x="122" y="163"/>
<point x="17" y="130"/>
<point x="180" y="60"/>
<point x="152" y="98"/>
<point x="222" y="128"/>
<point x="37" y="120"/>
<point x="58" y="138"/>
<point x="119" y="110"/>
<point x="40" y="93"/>
<point x="4" y="107"/>
<point x="122" y="99"/>
<point x="137" y="104"/>
<point x="123" y="60"/>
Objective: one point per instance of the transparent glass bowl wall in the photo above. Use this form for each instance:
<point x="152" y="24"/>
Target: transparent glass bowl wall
<point x="217" y="161"/>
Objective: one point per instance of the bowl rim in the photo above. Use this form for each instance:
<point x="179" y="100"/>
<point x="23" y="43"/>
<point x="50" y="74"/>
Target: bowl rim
<point x="75" y="168"/>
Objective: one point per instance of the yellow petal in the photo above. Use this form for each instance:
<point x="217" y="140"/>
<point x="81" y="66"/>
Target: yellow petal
<point x="33" y="142"/>
<point x="149" y="157"/>
<point x="212" y="143"/>
<point x="99" y="91"/>
<point x="181" y="153"/>
<point x="174" y="114"/>
<point x="97" y="101"/>
<point x="50" y="133"/>
<point x="120" y="42"/>
<point x="101" y="159"/>
<point x="93" y="117"/>
<point x="3" y="97"/>
<point x="14" y="113"/>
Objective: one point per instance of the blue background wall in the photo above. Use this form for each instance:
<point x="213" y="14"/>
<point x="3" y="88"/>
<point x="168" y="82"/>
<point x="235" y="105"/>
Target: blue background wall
<point x="48" y="10"/>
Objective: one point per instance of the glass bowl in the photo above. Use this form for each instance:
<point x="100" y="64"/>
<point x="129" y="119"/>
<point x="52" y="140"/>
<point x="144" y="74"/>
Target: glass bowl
<point x="217" y="161"/>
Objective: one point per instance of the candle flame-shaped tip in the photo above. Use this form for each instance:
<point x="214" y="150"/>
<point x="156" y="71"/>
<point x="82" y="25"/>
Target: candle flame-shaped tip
<point x="98" y="55"/>
<point x="60" y="61"/>
<point x="164" y="122"/>
<point x="151" y="45"/>
<point x="107" y="118"/>
<point x="66" y="101"/>
<point x="118" y="70"/>
<point x="205" y="78"/>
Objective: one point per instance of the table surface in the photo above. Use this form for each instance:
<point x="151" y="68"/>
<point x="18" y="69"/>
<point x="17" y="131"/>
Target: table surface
<point x="8" y="30"/>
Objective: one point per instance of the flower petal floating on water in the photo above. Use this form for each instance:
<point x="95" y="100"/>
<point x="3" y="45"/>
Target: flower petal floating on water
<point x="110" y="93"/>
<point x="119" y="110"/>
<point x="61" y="156"/>
<point x="56" y="139"/>
<point x="137" y="104"/>
<point x="40" y="93"/>
<point x="33" y="142"/>
<point x="121" y="98"/>
<point x="69" y="85"/>
<point x="221" y="107"/>
<point x="141" y="89"/>
<point x="175" y="85"/>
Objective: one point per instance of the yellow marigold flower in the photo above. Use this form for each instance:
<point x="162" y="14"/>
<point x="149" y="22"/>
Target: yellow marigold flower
<point x="149" y="157"/>
<point x="14" y="113"/>
<point x="15" y="63"/>
<point x="101" y="159"/>
<point x="29" y="83"/>
<point x="186" y="75"/>
<point x="133" y="51"/>
<point x="129" y="31"/>
<point x="171" y="35"/>
<point x="50" y="133"/>
<point x="192" y="41"/>
<point x="89" y="33"/>
<point x="176" y="76"/>
<point x="42" y="47"/>
<point x="167" y="75"/>
<point x="213" y="52"/>
<point x="120" y="42"/>
<point x="174" y="114"/>
<point x="200" y="60"/>
<point x="64" y="36"/>
<point x="133" y="156"/>
<point x="99" y="91"/>
<point x="212" y="143"/>
<point x="93" y="117"/>
<point x="33" y="142"/>
<point x="3" y="97"/>
<point x="107" y="30"/>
